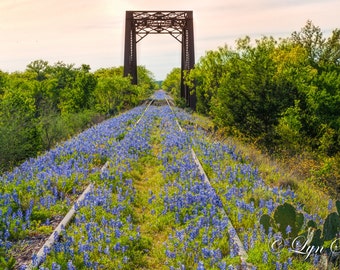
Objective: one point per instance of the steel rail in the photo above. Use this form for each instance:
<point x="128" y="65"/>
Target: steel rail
<point x="147" y="107"/>
<point x="56" y="233"/>
<point x="39" y="258"/>
<point x="231" y="230"/>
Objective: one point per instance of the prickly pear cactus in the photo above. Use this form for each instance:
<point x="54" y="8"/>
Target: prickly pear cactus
<point x="317" y="239"/>
<point x="285" y="215"/>
<point x="266" y="221"/>
<point x="331" y="226"/>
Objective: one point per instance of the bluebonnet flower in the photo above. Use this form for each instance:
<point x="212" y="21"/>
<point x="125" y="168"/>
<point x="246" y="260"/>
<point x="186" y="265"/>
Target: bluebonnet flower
<point x="222" y="265"/>
<point x="206" y="253"/>
<point x="236" y="249"/>
<point x="245" y="242"/>
<point x="217" y="255"/>
<point x="117" y="247"/>
<point x="56" y="266"/>
<point x="330" y="204"/>
<point x="200" y="266"/>
<point x="6" y="235"/>
<point x="278" y="266"/>
<point x="35" y="259"/>
<point x="239" y="216"/>
<point x="107" y="250"/>
<point x="70" y="266"/>
<point x="270" y="206"/>
<point x="205" y="239"/>
<point x="117" y="233"/>
<point x="316" y="259"/>
<point x="290" y="261"/>
<point x="262" y="203"/>
<point x="270" y="232"/>
<point x="265" y="257"/>
<point x="125" y="259"/>
<point x="86" y="258"/>
<point x="180" y="235"/>
<point x="170" y="254"/>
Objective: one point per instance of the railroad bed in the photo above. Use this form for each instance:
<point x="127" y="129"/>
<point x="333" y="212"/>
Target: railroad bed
<point x="148" y="189"/>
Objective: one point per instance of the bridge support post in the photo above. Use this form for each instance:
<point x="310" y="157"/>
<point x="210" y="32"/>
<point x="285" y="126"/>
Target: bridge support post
<point x="188" y="60"/>
<point x="130" y="52"/>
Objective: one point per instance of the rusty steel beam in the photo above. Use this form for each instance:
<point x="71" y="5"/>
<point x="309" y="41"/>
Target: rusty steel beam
<point x="130" y="54"/>
<point x="179" y="24"/>
<point x="188" y="59"/>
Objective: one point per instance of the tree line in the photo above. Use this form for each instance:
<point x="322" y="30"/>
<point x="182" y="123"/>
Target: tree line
<point x="49" y="103"/>
<point x="283" y="95"/>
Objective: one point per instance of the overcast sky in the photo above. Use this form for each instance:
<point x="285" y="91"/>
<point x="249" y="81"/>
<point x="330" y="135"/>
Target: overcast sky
<point x="92" y="31"/>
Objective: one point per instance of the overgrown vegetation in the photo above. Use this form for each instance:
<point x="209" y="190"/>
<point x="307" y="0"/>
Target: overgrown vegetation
<point x="49" y="103"/>
<point x="282" y="95"/>
<point x="150" y="207"/>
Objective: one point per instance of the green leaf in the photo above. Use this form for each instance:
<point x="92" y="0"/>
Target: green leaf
<point x="331" y="226"/>
<point x="265" y="221"/>
<point x="337" y="204"/>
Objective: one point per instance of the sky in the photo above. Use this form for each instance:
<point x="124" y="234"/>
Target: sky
<point x="92" y="31"/>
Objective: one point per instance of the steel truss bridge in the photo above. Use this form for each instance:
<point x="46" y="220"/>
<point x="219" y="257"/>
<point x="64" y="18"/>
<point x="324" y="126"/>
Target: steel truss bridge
<point x="179" y="24"/>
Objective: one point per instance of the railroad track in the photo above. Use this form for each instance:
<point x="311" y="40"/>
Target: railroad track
<point x="39" y="258"/>
<point x="231" y="230"/>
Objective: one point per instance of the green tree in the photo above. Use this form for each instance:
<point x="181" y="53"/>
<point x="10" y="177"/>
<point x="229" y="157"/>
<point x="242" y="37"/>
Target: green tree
<point x="3" y="80"/>
<point x="38" y="69"/>
<point x="64" y="75"/>
<point x="19" y="135"/>
<point x="331" y="52"/>
<point x="321" y="100"/>
<point x="310" y="37"/>
<point x="77" y="92"/>
<point x="87" y="82"/>
<point x="248" y="97"/>
<point x="111" y="92"/>
<point x="172" y="82"/>
<point x="107" y="72"/>
<point x="145" y="79"/>
<point x="207" y="76"/>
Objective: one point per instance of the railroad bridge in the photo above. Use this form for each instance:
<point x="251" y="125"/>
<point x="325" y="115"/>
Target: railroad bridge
<point x="179" y="24"/>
